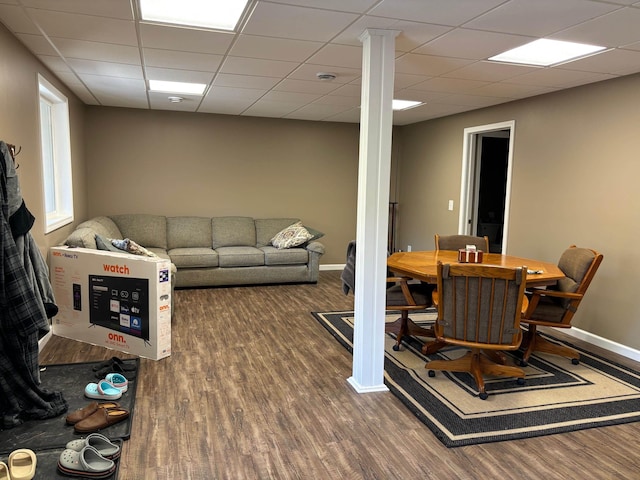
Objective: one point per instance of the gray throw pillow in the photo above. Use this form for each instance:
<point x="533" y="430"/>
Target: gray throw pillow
<point x="105" y="244"/>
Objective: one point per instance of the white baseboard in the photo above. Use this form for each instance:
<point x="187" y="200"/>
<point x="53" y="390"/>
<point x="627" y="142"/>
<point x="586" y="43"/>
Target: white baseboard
<point x="334" y="266"/>
<point x="601" y="342"/>
<point x="43" y="341"/>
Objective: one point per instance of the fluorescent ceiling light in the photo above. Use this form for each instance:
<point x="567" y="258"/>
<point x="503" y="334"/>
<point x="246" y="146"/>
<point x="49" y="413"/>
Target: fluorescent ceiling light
<point x="544" y="52"/>
<point x="177" y="87"/>
<point x="215" y="14"/>
<point x="404" y="104"/>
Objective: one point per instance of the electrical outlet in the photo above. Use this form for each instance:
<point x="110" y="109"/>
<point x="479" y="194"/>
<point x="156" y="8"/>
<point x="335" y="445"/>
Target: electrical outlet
<point x="450" y="205"/>
<point x="408" y="248"/>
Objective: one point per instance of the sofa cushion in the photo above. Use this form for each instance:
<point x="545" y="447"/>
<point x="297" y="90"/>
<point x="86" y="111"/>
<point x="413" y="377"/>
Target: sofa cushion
<point x="194" y="257"/>
<point x="146" y="230"/>
<point x="289" y="256"/>
<point x="267" y="228"/>
<point x="240" y="256"/>
<point x="183" y="232"/>
<point x="233" y="232"/>
<point x="292" y="236"/>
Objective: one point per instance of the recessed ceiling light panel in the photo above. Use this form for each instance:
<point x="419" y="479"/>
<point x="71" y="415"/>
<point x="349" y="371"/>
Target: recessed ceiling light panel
<point x="544" y="52"/>
<point x="177" y="87"/>
<point x="213" y="14"/>
<point x="404" y="104"/>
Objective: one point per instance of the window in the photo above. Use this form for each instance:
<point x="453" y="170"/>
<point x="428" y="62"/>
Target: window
<point x="56" y="156"/>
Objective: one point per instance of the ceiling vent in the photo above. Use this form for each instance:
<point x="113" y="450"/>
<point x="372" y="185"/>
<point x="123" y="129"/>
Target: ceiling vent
<point x="326" y="76"/>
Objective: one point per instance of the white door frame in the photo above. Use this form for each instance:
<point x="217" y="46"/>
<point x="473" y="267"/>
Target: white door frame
<point x="468" y="190"/>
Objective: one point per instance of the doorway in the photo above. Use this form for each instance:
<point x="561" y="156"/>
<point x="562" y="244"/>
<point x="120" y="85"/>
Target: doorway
<point x="486" y="183"/>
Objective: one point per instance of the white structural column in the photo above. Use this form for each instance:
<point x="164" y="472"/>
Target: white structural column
<point x="376" y="123"/>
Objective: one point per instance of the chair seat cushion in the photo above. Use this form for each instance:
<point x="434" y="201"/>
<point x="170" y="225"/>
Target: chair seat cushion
<point x="421" y="294"/>
<point x="548" y="310"/>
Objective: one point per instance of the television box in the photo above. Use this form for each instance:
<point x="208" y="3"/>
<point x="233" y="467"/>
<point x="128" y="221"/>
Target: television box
<point x="115" y="300"/>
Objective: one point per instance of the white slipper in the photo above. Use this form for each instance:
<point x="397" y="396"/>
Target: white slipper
<point x="86" y="463"/>
<point x="102" y="390"/>
<point x="102" y="444"/>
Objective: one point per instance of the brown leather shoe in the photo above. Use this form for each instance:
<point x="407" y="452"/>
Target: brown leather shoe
<point x="82" y="413"/>
<point x="101" y="418"/>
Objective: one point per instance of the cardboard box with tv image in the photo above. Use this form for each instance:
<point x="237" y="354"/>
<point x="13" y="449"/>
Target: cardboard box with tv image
<point x="116" y="300"/>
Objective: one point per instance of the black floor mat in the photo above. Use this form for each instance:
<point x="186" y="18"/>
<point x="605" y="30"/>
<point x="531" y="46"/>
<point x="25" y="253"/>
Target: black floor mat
<point x="54" y="433"/>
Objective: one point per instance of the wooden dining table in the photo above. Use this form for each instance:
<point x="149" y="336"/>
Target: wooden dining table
<point x="422" y="265"/>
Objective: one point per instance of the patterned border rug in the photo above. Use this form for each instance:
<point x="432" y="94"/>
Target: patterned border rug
<point x="556" y="397"/>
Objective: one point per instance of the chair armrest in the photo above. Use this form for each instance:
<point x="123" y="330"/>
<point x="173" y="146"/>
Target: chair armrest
<point x="316" y="247"/>
<point x="555" y="293"/>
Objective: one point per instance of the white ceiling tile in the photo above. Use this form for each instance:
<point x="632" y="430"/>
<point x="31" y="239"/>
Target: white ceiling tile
<point x="86" y="27"/>
<point x="512" y="90"/>
<point x="37" y="44"/>
<point x="428" y="64"/>
<point x="92" y="67"/>
<point x="257" y="67"/>
<point x="161" y="101"/>
<point x="266" y="108"/>
<point x="107" y="52"/>
<point x="440" y="12"/>
<point x="452" y="85"/>
<point x="356" y="6"/>
<point x="540" y="17"/>
<point x="286" y="21"/>
<point x="245" y="81"/>
<point x="332" y="99"/>
<point x="231" y="101"/>
<point x="317" y="112"/>
<point x="299" y="99"/>
<point x="184" y="39"/>
<point x="310" y="71"/>
<point x="202" y="62"/>
<point x="302" y="86"/>
<point x="472" y="44"/>
<point x="338" y="55"/>
<point x="418" y="95"/>
<point x="349" y="91"/>
<point x="348" y="116"/>
<point x="405" y="80"/>
<point x="113" y="8"/>
<point x="55" y="64"/>
<point x="489" y="71"/>
<point x="412" y="34"/>
<point x="273" y="48"/>
<point x="616" y="29"/>
<point x="559" y="78"/>
<point x="614" y="62"/>
<point x="174" y="75"/>
<point x="15" y="19"/>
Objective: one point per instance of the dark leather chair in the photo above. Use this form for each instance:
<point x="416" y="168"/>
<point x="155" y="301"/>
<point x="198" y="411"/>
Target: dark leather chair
<point x="479" y="307"/>
<point x="555" y="306"/>
<point x="401" y="296"/>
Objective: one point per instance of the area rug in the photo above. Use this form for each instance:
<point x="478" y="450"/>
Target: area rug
<point x="47" y="438"/>
<point x="557" y="396"/>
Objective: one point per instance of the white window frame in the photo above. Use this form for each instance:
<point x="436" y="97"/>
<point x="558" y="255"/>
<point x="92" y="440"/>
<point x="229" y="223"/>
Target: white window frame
<point x="55" y="147"/>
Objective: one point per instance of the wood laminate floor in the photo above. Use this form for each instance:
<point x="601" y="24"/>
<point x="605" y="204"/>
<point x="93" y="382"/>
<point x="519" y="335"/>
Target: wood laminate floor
<point x="256" y="389"/>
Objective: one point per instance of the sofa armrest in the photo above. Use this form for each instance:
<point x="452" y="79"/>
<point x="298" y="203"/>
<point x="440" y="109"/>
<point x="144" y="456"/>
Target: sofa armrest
<point x="316" y="247"/>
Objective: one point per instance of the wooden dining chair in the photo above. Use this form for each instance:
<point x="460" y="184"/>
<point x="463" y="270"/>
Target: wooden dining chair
<point x="479" y="308"/>
<point x="555" y="306"/>
<point x="401" y="295"/>
<point x="456" y="242"/>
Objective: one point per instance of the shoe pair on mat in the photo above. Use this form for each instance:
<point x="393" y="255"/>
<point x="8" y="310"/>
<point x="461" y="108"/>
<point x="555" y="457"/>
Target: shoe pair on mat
<point x="22" y="465"/>
<point x="97" y="416"/>
<point x="115" y="365"/>
<point x="110" y="388"/>
<point x="91" y="457"/>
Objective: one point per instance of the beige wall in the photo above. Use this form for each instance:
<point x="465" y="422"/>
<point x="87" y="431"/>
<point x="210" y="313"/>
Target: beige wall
<point x="19" y="125"/>
<point x="575" y="181"/>
<point x="174" y="163"/>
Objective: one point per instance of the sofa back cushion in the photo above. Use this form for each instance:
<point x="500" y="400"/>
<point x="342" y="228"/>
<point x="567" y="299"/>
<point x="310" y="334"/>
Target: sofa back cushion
<point x="146" y="230"/>
<point x="267" y="228"/>
<point x="233" y="232"/>
<point x="187" y="232"/>
<point x="84" y="234"/>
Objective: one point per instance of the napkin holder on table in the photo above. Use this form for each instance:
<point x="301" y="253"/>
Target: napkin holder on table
<point x="470" y="255"/>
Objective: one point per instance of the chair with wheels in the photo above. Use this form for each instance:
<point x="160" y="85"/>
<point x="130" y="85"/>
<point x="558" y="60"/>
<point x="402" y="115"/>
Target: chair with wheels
<point x="456" y="242"/>
<point x="479" y="307"/>
<point x="555" y="306"/>
<point x="401" y="296"/>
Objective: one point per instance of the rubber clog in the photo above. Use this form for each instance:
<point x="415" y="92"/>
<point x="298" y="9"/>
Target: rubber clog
<point x="86" y="463"/>
<point x="4" y="471"/>
<point x="82" y="413"/>
<point x="102" y="390"/>
<point x="102" y="444"/>
<point x="102" y="418"/>
<point x="118" y="380"/>
<point x="22" y="464"/>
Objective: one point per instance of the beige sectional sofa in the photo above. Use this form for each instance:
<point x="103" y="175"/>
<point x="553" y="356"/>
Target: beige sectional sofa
<point x="210" y="251"/>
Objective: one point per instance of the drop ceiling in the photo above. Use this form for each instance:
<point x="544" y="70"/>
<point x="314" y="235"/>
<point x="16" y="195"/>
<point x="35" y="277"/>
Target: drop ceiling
<point x="103" y="52"/>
